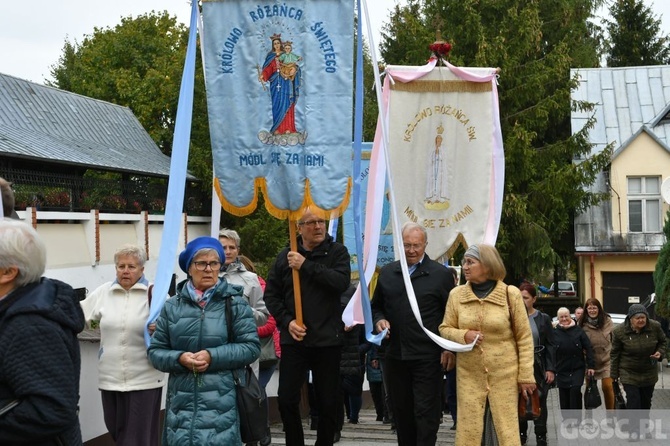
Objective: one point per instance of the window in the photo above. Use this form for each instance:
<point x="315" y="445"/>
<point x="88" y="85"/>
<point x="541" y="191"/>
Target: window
<point x="644" y="204"/>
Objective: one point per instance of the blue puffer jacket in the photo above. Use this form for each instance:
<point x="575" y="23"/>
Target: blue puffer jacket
<point x="201" y="409"/>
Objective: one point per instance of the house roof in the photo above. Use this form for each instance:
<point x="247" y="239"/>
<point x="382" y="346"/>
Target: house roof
<point x="51" y="125"/>
<point x="626" y="99"/>
<point x="646" y="129"/>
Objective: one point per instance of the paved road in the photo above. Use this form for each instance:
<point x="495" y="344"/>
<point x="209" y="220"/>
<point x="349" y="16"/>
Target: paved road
<point x="373" y="433"/>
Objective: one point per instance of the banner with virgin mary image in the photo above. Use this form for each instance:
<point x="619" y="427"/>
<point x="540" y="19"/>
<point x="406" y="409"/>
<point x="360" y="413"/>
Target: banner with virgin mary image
<point x="279" y="78"/>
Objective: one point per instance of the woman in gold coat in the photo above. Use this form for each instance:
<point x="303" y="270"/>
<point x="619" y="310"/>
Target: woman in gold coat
<point x="490" y="377"/>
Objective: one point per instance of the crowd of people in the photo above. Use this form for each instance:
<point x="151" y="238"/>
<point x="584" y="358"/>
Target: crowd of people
<point x="223" y="315"/>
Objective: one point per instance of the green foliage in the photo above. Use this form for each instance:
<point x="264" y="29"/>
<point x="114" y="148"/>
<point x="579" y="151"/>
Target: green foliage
<point x="635" y="37"/>
<point x="262" y="236"/>
<point x="535" y="44"/>
<point x="662" y="274"/>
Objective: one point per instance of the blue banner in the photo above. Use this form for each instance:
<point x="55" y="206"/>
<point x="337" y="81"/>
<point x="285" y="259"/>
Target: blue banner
<point x="279" y="79"/>
<point x="386" y="254"/>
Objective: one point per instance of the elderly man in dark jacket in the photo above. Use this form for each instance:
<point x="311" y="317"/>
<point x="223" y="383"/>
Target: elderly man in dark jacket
<point x="39" y="352"/>
<point x="324" y="270"/>
<point x="415" y="364"/>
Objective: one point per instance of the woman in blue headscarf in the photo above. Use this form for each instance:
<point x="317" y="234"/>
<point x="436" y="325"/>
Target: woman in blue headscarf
<point x="191" y="343"/>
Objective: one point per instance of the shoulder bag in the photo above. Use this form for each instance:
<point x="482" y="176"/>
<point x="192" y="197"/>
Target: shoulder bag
<point x="529" y="408"/>
<point x="592" y="398"/>
<point x="268" y="356"/>
<point x="251" y="398"/>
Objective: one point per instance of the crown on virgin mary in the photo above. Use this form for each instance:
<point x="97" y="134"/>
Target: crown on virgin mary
<point x="275" y="37"/>
<point x="440" y="130"/>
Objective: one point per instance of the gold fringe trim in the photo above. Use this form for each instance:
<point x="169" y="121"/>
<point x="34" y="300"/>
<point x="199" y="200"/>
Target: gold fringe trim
<point x="365" y="154"/>
<point x="442" y="87"/>
<point x="283" y="214"/>
<point x="446" y="256"/>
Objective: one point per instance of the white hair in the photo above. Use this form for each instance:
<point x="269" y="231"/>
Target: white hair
<point x="411" y="226"/>
<point x="131" y="251"/>
<point x="230" y="234"/>
<point x="21" y="247"/>
<point x="562" y="310"/>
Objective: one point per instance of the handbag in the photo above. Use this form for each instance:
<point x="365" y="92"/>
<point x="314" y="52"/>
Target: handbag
<point x="251" y="398"/>
<point x="619" y="399"/>
<point x="529" y="408"/>
<point x="592" y="398"/>
<point x="268" y="356"/>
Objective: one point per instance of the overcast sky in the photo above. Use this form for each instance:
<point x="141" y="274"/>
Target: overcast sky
<point x="32" y="33"/>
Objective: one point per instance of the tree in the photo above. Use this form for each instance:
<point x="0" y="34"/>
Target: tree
<point x="548" y="169"/>
<point x="662" y="274"/>
<point x="635" y="37"/>
<point x="138" y="64"/>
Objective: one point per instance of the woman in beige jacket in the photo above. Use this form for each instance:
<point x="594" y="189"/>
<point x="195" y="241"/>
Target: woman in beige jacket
<point x="598" y="327"/>
<point x="490" y="377"/>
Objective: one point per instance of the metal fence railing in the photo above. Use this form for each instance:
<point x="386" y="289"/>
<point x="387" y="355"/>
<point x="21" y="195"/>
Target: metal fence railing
<point x="133" y="194"/>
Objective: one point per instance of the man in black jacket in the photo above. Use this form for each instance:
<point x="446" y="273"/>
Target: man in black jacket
<point x="415" y="364"/>
<point x="324" y="270"/>
<point x="39" y="350"/>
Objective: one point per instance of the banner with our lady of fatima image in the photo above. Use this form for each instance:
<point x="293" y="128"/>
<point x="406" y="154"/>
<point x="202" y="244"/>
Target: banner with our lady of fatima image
<point x="279" y="78"/>
<point x="445" y="150"/>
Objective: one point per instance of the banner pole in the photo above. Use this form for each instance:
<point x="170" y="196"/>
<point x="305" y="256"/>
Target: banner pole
<point x="296" y="274"/>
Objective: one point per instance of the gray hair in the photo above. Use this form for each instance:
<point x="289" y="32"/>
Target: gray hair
<point x="410" y="226"/>
<point x="133" y="251"/>
<point x="230" y="234"/>
<point x="23" y="248"/>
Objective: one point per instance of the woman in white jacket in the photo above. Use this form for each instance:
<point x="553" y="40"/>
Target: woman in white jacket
<point x="130" y="386"/>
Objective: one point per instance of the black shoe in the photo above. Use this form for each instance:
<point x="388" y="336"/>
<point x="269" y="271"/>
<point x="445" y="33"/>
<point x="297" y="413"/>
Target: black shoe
<point x="353" y="420"/>
<point x="314" y="425"/>
<point x="379" y="418"/>
<point x="453" y="428"/>
<point x="524" y="438"/>
<point x="337" y="437"/>
<point x="541" y="440"/>
<point x="386" y="420"/>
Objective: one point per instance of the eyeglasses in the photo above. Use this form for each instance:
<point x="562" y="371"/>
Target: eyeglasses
<point x="312" y="223"/>
<point x="413" y="247"/>
<point x="202" y="266"/>
<point x="469" y="262"/>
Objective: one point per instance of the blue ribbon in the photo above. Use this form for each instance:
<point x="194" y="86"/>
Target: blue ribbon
<point x="177" y="179"/>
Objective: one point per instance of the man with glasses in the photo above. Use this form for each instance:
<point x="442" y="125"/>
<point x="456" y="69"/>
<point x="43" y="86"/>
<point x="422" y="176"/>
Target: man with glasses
<point x="414" y="364"/>
<point x="324" y="270"/>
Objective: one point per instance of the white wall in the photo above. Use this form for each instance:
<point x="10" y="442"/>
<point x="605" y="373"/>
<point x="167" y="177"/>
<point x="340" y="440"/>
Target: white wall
<point x="71" y="240"/>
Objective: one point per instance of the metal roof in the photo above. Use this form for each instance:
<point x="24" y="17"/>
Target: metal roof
<point x="626" y="99"/>
<point x="44" y="123"/>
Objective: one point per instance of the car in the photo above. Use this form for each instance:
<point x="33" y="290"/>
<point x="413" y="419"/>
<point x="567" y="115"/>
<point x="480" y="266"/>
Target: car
<point x="565" y="289"/>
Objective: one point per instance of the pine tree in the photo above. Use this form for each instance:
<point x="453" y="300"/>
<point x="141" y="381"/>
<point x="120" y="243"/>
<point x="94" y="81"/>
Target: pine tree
<point x="535" y="44"/>
<point x="662" y="274"/>
<point x="635" y="37"/>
